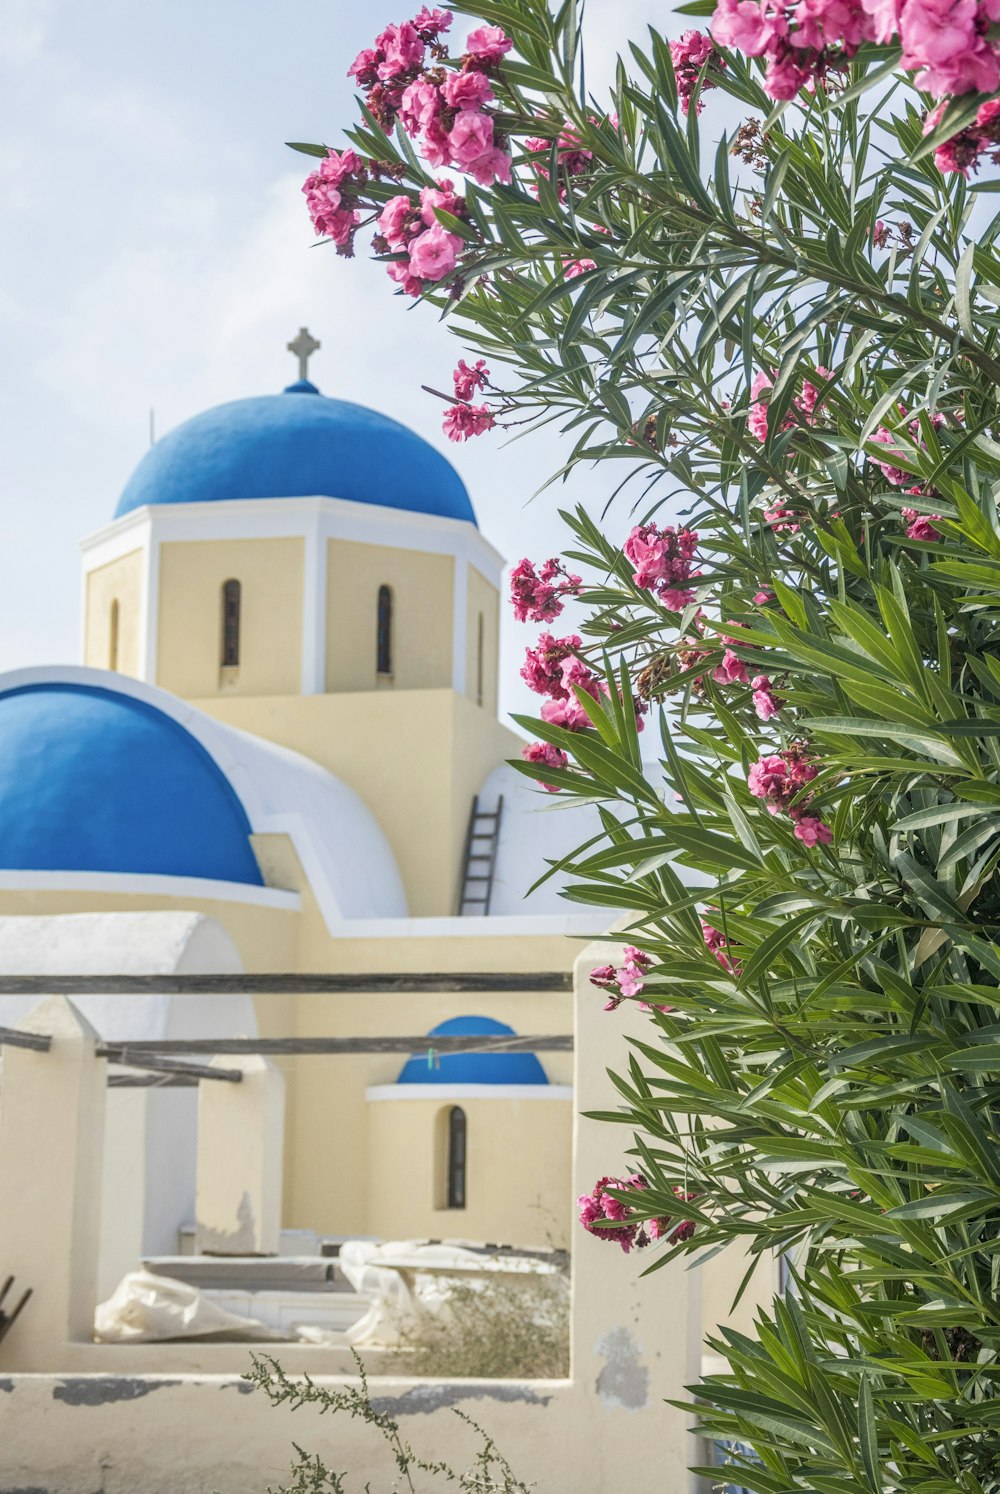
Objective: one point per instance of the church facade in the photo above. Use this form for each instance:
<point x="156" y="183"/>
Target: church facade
<point x="281" y="753"/>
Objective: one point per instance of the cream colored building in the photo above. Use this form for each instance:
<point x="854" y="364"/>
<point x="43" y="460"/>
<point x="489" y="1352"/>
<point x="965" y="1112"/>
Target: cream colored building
<point x="286" y="707"/>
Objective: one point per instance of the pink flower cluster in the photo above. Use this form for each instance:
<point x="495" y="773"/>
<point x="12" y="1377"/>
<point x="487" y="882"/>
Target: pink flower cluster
<point x="331" y="193"/>
<point x="778" y="779"/>
<point x="920" y="526"/>
<point x="717" y="943"/>
<point x="537" y="595"/>
<point x="430" y="253"/>
<point x="689" y="54"/>
<point x="662" y="560"/>
<point x="626" y="980"/>
<point x="962" y="152"/>
<point x="440" y="107"/>
<point x="572" y="268"/>
<point x="806" y="402"/>
<point x="571" y="159"/>
<point x="947" y="43"/>
<point x="464" y="419"/>
<point x="608" y="1218"/>
<point x="546" y="665"/>
<point x="732" y="670"/>
<point x="550" y="756"/>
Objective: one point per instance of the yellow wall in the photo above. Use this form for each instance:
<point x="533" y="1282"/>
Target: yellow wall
<point x="192" y="574"/>
<point x="120" y="580"/>
<point x="484" y="603"/>
<point x="416" y="757"/>
<point x="519" y="1162"/>
<point x="422" y="591"/>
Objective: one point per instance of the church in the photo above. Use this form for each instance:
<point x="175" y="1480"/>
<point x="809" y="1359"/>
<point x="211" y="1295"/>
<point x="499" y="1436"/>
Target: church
<point x="281" y="754"/>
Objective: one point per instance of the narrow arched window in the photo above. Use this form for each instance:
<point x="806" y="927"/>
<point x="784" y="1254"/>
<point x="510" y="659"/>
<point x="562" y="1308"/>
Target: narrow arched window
<point x="383" y="631"/>
<point x="456" y="1157"/>
<point x="231" y="624"/>
<point x="480" y="631"/>
<point x="113" y="634"/>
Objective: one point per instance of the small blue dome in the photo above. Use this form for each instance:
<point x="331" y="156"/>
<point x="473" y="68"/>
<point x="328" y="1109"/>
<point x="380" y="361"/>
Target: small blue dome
<point x="286" y="446"/>
<point x="96" y="781"/>
<point x="472" y="1068"/>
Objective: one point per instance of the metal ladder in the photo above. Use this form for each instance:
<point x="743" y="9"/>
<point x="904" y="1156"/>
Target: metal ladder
<point x="475" y="855"/>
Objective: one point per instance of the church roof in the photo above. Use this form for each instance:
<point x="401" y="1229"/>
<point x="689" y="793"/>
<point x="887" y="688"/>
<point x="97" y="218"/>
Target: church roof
<point x="472" y="1068"/>
<point x="97" y="781"/>
<point x="297" y="444"/>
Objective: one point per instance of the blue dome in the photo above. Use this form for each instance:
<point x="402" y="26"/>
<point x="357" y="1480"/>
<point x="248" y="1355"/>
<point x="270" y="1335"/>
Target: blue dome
<point x="298" y="444"/>
<point x="96" y="781"/>
<point x="472" y="1068"/>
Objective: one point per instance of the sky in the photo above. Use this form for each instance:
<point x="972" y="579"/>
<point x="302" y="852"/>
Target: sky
<point x="156" y="255"/>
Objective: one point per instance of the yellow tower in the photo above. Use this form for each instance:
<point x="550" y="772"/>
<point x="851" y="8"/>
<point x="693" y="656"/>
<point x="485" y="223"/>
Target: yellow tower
<point x="311" y="571"/>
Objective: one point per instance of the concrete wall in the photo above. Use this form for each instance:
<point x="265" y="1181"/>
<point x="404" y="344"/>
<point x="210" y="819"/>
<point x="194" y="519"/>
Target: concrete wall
<point x="171" y="1419"/>
<point x="192" y="574"/>
<point x="119" y="581"/>
<point x="507" y="1202"/>
<point x="422" y="587"/>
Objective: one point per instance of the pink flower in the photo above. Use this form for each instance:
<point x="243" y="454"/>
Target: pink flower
<point x="468" y="380"/>
<point x="488" y="45"/>
<point x="811" y="830"/>
<point x="435" y="144"/>
<point x="782" y="520"/>
<point x="434" y="253"/>
<point x="806" y="402"/>
<point x="749" y="26"/>
<point x="768" y="780"/>
<point x="542" y="670"/>
<point x="718" y="945"/>
<point x="892" y="474"/>
<point x="392" y="220"/>
<point x="731" y="670"/>
<point x="881" y="234"/>
<point x="761" y="598"/>
<point x="364" y="68"/>
<point x="764" y="701"/>
<point x="430" y="23"/>
<point x="442" y="196"/>
<point x="419" y="106"/>
<point x="400" y="271"/>
<point x="920" y="526"/>
<point x="574" y="267"/>
<point x="463" y="420"/>
<point x="537" y="596"/>
<point x="662" y="560"/>
<point x="567" y="713"/>
<point x="492" y="166"/>
<point x="401" y="50"/>
<point x="884" y="16"/>
<point x="552" y="757"/>
<point x="467" y="90"/>
<point x="689" y="54"/>
<point x="470" y="137"/>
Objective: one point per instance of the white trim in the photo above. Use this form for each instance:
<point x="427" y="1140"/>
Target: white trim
<point x="377" y="1092"/>
<point x="493" y="925"/>
<point x="141" y="884"/>
<point x="459" y="629"/>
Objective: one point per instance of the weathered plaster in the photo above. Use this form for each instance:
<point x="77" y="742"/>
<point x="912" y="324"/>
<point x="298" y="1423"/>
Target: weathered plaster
<point x="624" y="1380"/>
<point x="103" y="1390"/>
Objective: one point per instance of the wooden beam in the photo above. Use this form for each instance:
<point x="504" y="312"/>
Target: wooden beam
<point x="152" y="1081"/>
<point x="128" y="1057"/>
<point x="322" y="1046"/>
<point x="15" y="1038"/>
<point x="303" y="984"/>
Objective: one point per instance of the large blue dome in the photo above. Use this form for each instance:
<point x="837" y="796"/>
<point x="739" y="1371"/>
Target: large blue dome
<point x="473" y="1068"/>
<point x="298" y="444"/>
<point x="96" y="781"/>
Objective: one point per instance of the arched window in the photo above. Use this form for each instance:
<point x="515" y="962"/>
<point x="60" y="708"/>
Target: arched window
<point x="480" y="630"/>
<point x="383" y="631"/>
<point x="230" y="624"/>
<point x="113" y="634"/>
<point x="456" y="1157"/>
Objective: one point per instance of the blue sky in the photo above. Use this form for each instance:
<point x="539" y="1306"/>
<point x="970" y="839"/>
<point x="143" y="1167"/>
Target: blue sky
<point x="157" y="254"/>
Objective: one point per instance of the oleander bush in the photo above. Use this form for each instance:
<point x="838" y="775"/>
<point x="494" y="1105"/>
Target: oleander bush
<point x="781" y="343"/>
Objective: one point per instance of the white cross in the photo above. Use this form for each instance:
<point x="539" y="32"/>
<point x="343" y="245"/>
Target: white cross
<point x="303" y="347"/>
